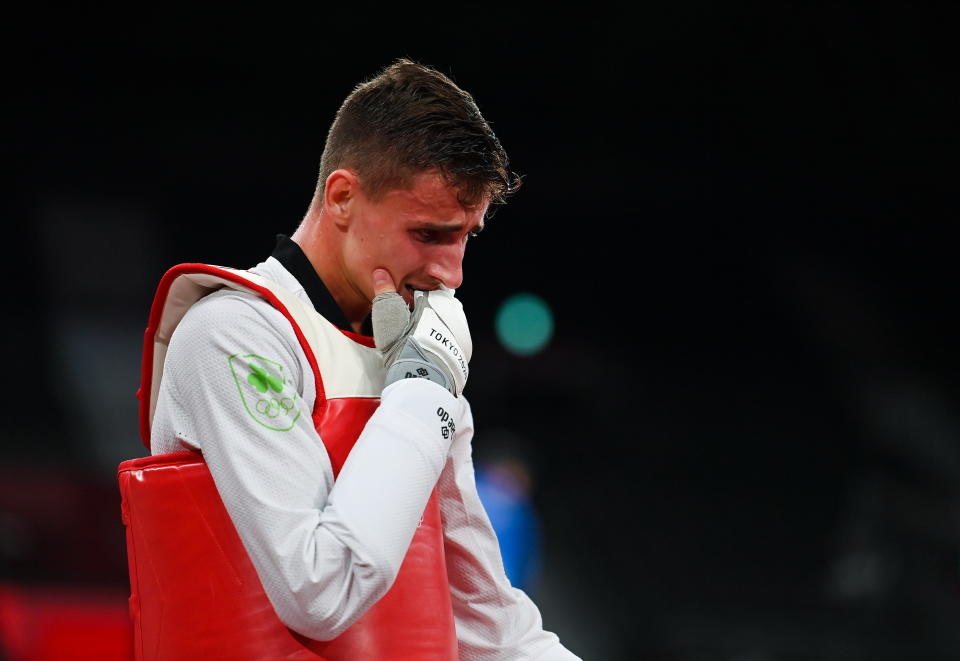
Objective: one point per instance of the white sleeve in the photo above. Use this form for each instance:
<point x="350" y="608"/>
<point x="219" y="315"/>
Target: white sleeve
<point x="495" y="621"/>
<point x="324" y="551"/>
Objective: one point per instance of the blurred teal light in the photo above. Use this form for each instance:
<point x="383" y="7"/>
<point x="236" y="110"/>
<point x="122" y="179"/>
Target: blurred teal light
<point x="524" y="324"/>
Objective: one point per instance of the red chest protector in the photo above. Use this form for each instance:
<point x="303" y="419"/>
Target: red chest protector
<point x="195" y="594"/>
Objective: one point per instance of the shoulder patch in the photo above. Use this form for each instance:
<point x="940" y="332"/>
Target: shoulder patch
<point x="266" y="393"/>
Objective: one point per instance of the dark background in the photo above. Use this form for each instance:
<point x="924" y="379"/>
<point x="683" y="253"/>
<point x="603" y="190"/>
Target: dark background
<point x="744" y="432"/>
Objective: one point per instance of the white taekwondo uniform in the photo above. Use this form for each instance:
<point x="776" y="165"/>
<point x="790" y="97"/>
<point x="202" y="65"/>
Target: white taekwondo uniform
<point x="323" y="550"/>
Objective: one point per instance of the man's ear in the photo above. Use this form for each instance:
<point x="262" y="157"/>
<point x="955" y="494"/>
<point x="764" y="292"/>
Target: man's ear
<point x="338" y="196"/>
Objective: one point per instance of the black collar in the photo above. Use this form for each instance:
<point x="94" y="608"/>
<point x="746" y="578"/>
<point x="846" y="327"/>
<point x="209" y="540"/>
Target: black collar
<point x="288" y="253"/>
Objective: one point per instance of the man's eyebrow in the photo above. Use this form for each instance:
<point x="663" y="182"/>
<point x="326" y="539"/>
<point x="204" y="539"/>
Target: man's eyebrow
<point x="437" y="227"/>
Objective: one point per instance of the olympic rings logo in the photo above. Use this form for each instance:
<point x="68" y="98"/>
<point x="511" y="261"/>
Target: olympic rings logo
<point x="272" y="407"/>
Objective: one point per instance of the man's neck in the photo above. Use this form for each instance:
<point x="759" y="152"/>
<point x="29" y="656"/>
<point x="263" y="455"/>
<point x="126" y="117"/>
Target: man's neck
<point x="314" y="238"/>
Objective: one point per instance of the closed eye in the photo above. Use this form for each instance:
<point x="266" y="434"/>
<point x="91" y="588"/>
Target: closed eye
<point x="427" y="236"/>
<point x="442" y="233"/>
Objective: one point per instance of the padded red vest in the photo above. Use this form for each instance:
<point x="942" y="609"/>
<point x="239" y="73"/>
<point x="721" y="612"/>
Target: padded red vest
<point x="194" y="593"/>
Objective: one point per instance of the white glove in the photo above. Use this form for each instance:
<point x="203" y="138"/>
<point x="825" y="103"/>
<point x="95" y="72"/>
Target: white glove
<point x="431" y="343"/>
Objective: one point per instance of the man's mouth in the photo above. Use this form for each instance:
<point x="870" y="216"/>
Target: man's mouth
<point x="407" y="291"/>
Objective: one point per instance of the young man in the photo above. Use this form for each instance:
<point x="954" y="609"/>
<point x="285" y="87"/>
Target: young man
<point x="332" y="463"/>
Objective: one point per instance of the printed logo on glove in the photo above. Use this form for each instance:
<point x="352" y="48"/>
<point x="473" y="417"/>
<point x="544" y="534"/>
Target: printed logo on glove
<point x="432" y="342"/>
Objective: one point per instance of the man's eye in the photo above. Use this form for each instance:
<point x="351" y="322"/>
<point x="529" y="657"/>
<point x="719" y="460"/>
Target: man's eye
<point x="427" y="236"/>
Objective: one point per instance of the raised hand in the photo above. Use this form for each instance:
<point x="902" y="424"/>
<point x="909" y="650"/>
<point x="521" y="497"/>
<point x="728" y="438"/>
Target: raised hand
<point x="432" y="342"/>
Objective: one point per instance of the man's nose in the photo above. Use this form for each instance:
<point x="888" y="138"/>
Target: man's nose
<point x="447" y="266"/>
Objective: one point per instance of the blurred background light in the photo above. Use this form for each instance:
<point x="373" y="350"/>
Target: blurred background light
<point x="524" y="324"/>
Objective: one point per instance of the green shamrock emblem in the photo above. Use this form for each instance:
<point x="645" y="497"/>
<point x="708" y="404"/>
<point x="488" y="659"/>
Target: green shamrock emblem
<point x="259" y="379"/>
<point x="276" y="410"/>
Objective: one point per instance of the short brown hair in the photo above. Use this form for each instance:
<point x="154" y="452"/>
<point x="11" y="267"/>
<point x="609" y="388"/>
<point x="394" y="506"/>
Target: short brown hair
<point x="411" y="118"/>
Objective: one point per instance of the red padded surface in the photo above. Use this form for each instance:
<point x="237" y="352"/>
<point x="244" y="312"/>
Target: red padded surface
<point x="196" y="595"/>
<point x="194" y="592"/>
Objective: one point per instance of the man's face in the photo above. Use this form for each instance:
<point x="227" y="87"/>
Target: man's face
<point x="418" y="235"/>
